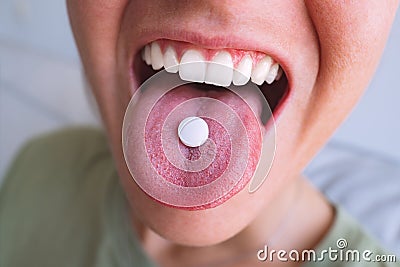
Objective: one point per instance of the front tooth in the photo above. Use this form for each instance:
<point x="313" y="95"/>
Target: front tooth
<point x="220" y="70"/>
<point x="156" y="56"/>
<point x="242" y="73"/>
<point x="272" y="73"/>
<point x="260" y="72"/>
<point x="147" y="55"/>
<point x="171" y="63"/>
<point x="195" y="71"/>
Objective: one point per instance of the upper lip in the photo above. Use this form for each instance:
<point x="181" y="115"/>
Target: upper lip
<point x="220" y="41"/>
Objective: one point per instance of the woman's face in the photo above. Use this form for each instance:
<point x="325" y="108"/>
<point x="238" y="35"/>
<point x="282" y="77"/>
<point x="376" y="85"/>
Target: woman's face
<point x="328" y="51"/>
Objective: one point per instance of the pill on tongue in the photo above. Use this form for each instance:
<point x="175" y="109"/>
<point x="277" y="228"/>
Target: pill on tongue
<point x="193" y="131"/>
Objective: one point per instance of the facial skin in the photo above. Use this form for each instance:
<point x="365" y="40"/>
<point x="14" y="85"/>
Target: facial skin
<point x="328" y="49"/>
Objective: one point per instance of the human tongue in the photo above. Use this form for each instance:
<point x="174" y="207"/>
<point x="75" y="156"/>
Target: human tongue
<point x="232" y="152"/>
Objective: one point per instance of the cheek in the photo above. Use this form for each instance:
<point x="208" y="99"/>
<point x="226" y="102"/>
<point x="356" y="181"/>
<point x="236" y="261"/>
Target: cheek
<point x="352" y="34"/>
<point x="96" y="26"/>
<point x="351" y="37"/>
<point x="96" y="41"/>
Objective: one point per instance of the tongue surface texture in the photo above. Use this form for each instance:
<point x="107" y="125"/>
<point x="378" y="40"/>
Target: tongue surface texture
<point x="233" y="149"/>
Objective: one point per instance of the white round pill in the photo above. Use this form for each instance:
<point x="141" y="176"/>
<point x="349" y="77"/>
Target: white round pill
<point x="193" y="131"/>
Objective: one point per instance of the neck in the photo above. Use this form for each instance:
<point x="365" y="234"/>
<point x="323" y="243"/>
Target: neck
<point x="298" y="219"/>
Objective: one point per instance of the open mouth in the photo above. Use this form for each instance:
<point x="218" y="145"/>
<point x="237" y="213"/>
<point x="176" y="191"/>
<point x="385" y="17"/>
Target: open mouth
<point x="240" y="67"/>
<point x="253" y="66"/>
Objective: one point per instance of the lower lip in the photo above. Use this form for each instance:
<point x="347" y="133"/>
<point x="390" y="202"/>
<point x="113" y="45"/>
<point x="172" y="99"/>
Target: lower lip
<point x="225" y="162"/>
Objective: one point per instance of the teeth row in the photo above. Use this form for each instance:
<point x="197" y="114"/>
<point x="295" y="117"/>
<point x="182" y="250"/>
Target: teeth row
<point x="221" y="74"/>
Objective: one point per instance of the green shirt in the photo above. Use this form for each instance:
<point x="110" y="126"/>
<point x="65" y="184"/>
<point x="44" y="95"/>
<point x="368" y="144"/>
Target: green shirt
<point x="61" y="204"/>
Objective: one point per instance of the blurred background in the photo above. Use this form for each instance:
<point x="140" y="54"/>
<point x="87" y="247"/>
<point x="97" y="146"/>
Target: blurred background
<point x="41" y="83"/>
<point x="42" y="88"/>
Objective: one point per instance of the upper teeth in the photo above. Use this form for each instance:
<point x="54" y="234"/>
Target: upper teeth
<point x="223" y="73"/>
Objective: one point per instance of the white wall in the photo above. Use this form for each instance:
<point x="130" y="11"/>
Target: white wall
<point x="41" y="86"/>
<point x="41" y="25"/>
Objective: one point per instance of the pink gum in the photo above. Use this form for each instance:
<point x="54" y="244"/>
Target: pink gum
<point x="237" y="55"/>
